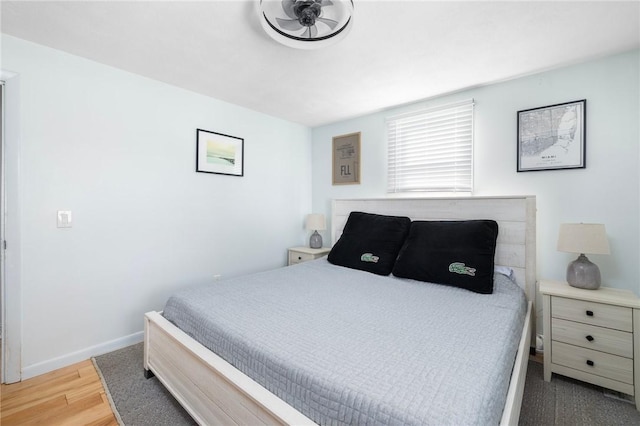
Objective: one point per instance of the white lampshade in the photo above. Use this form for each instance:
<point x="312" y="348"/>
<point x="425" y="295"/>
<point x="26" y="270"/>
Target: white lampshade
<point x="316" y="222"/>
<point x="584" y="238"/>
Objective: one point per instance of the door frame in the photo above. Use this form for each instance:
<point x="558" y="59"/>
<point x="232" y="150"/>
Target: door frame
<point x="11" y="285"/>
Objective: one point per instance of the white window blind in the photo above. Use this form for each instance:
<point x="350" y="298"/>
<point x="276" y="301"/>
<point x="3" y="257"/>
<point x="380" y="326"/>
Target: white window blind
<point x="432" y="149"/>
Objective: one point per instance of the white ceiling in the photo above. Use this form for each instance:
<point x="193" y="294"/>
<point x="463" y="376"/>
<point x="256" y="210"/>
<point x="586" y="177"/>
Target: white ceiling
<point x="397" y="52"/>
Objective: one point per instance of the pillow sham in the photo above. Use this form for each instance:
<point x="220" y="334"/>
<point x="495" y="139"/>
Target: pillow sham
<point x="370" y="242"/>
<point x="506" y="271"/>
<point x="457" y="253"/>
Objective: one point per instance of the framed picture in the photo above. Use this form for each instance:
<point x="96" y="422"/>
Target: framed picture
<point x="346" y="159"/>
<point x="218" y="153"/>
<point x="552" y="137"/>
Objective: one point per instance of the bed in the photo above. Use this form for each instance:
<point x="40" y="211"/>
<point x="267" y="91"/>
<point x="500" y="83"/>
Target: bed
<point x="213" y="391"/>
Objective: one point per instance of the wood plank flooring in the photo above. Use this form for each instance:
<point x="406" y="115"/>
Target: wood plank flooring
<point x="69" y="396"/>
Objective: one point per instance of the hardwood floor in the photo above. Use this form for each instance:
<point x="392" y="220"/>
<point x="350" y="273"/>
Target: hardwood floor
<point x="69" y="396"/>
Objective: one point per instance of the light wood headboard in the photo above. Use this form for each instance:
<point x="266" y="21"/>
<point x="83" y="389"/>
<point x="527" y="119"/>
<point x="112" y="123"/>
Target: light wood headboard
<point x="516" y="217"/>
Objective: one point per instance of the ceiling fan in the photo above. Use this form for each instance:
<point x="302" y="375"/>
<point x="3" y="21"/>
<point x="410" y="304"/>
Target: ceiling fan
<point x="306" y="24"/>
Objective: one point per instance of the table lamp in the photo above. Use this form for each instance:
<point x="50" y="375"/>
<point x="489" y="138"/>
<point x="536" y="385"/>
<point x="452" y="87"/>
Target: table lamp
<point x="581" y="238"/>
<point x="315" y="222"/>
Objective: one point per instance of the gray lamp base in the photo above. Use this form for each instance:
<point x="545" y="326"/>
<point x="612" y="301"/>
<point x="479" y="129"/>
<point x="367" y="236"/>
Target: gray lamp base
<point x="316" y="240"/>
<point x="582" y="273"/>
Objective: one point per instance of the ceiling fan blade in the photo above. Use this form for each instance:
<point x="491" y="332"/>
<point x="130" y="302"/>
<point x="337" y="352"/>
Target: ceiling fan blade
<point x="287" y="6"/>
<point x="311" y="32"/>
<point x="289" y="24"/>
<point x="328" y="22"/>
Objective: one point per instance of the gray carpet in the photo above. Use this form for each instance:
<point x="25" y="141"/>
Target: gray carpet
<point x="565" y="401"/>
<point x="562" y="401"/>
<point x="137" y="400"/>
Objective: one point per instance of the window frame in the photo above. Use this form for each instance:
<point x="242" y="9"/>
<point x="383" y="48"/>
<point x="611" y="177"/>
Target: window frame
<point x="443" y="128"/>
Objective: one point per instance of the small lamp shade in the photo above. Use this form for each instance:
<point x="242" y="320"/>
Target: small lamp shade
<point x="583" y="238"/>
<point x="315" y="222"/>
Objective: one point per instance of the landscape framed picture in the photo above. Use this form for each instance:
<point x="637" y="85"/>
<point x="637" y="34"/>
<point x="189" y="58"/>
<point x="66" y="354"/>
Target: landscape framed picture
<point x="346" y="159"/>
<point x="219" y="153"/>
<point x="552" y="137"/>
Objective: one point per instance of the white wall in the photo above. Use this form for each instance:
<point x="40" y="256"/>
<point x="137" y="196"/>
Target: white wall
<point x="605" y="192"/>
<point x="119" y="151"/>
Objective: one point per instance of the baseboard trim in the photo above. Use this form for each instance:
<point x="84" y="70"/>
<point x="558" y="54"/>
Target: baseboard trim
<point x="81" y="355"/>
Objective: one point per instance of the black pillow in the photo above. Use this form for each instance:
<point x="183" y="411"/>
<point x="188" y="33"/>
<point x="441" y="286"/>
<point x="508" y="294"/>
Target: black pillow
<point x="458" y="253"/>
<point x="370" y="242"/>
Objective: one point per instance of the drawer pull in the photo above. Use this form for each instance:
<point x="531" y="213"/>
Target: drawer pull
<point x="590" y="338"/>
<point x="589" y="313"/>
<point x="299" y="257"/>
<point x="590" y="363"/>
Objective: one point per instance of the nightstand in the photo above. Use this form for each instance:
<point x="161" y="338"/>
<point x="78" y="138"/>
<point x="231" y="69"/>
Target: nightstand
<point x="592" y="335"/>
<point x="303" y="254"/>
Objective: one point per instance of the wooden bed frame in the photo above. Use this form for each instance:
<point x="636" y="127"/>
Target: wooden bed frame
<point x="215" y="392"/>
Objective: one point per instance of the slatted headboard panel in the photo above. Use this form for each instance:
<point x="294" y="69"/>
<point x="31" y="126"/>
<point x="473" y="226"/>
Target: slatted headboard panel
<point x="516" y="217"/>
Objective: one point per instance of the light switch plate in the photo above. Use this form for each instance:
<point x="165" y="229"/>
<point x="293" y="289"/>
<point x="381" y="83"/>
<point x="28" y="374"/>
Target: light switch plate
<point x="64" y="218"/>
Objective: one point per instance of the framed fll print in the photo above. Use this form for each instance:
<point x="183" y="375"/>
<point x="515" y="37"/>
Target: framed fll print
<point x="552" y="137"/>
<point x="346" y="159"/>
<point x="219" y="153"/>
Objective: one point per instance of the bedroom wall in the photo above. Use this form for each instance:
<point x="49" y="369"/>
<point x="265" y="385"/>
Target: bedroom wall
<point x="606" y="191"/>
<point x="118" y="150"/>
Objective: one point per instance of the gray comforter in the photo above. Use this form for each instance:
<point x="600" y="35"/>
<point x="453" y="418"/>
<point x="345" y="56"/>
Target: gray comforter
<point x="349" y="347"/>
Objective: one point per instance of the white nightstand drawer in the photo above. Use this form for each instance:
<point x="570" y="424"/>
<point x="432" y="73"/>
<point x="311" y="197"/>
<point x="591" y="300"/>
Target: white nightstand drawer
<point x="297" y="257"/>
<point x="592" y="337"/>
<point x="600" y="314"/>
<point x="593" y="362"/>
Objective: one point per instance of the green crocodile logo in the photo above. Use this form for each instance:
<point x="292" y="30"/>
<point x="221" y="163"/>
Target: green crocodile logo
<point x="462" y="269"/>
<point x="368" y="257"/>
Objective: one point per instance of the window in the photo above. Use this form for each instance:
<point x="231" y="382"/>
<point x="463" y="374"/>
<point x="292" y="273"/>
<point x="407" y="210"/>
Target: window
<point x="432" y="149"/>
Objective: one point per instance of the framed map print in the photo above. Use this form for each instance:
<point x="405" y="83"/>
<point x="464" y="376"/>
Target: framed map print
<point x="552" y="137"/>
<point x="346" y="159"/>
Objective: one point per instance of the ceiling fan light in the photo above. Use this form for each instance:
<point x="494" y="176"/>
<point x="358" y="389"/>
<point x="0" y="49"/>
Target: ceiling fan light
<point x="306" y="24"/>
